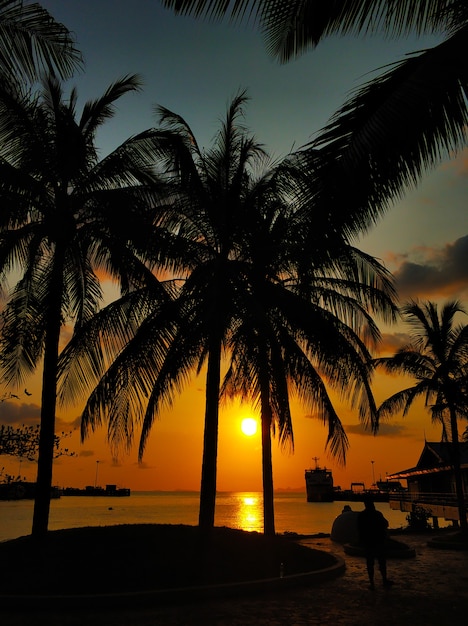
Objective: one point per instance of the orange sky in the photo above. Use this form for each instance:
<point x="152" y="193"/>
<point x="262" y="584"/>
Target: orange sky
<point x="173" y="456"/>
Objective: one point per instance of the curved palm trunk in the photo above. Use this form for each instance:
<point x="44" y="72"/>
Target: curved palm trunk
<point x="267" y="465"/>
<point x="210" y="439"/>
<point x="458" y="473"/>
<point x="49" y="401"/>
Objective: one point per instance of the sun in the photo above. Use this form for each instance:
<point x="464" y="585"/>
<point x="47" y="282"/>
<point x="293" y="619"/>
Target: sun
<point x="249" y="426"/>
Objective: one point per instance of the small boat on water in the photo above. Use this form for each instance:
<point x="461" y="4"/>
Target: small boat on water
<point x="319" y="484"/>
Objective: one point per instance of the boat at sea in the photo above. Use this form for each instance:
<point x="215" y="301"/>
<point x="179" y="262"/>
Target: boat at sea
<point x="111" y="491"/>
<point x="319" y="484"/>
<point x="320" y="488"/>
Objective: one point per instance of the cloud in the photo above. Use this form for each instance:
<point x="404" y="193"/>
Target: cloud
<point x="459" y="164"/>
<point x="86" y="453"/>
<point x="390" y="343"/>
<point x="18" y="414"/>
<point x="434" y="272"/>
<point x="385" y="430"/>
<point x="75" y="424"/>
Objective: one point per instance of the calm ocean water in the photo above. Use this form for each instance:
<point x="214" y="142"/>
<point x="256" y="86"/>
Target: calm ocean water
<point x="235" y="510"/>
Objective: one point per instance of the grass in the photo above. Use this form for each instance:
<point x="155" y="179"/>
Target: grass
<point x="137" y="557"/>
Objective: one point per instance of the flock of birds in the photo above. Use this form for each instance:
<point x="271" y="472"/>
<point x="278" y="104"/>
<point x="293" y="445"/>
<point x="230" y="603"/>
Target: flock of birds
<point x="10" y="395"/>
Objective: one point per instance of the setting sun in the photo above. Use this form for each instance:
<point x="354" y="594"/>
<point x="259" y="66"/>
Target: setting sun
<point x="249" y="426"/>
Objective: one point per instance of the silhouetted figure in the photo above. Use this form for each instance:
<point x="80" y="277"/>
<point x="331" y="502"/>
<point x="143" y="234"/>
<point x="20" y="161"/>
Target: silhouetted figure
<point x="372" y="530"/>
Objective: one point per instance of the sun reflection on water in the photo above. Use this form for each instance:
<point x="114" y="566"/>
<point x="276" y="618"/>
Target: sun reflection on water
<point x="249" y="512"/>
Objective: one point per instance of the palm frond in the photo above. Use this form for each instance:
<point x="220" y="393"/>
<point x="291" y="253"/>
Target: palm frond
<point x="291" y="28"/>
<point x="34" y="42"/>
<point x="236" y="9"/>
<point x="98" y="111"/>
<point x="365" y="146"/>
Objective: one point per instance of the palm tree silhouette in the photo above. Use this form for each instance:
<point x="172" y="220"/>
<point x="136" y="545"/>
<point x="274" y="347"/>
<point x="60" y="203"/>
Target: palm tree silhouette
<point x="184" y="324"/>
<point x="302" y="332"/>
<point x="32" y="42"/>
<point x="397" y="126"/>
<point x="66" y="215"/>
<point x="437" y="360"/>
<point x="259" y="287"/>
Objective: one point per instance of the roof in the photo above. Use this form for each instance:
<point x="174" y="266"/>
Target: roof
<point x="435" y="457"/>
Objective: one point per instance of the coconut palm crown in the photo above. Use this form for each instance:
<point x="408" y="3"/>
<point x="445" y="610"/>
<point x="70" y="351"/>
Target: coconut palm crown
<point x="437" y="360"/>
<point x="67" y="219"/>
<point x="33" y="42"/>
<point x="398" y="125"/>
<point x="260" y="290"/>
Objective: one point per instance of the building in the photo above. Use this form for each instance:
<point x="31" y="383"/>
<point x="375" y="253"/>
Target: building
<point x="431" y="483"/>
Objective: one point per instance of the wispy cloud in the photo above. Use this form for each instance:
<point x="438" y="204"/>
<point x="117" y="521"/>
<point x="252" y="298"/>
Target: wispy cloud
<point x="385" y="430"/>
<point x="15" y="415"/>
<point x="86" y="453"/>
<point x="459" y="164"/>
<point x="433" y="272"/>
<point x="390" y="343"/>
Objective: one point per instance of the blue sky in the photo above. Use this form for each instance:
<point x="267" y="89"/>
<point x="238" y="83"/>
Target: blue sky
<point x="196" y="67"/>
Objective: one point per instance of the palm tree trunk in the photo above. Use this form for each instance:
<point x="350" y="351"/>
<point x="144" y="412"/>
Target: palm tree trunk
<point x="49" y="401"/>
<point x="458" y="473"/>
<point x="210" y="440"/>
<point x="267" y="466"/>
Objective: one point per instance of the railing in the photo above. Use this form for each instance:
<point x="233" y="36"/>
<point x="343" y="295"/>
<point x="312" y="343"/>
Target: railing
<point x="436" y="499"/>
<point x="439" y="505"/>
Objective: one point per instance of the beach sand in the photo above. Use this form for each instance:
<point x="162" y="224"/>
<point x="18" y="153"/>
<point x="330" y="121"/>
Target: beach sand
<point x="430" y="588"/>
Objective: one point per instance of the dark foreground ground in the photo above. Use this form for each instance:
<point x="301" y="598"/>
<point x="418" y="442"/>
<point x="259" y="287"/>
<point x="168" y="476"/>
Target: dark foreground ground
<point x="431" y="588"/>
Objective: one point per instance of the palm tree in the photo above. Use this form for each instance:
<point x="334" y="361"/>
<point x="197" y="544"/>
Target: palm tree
<point x="32" y="42"/>
<point x="210" y="192"/>
<point x="397" y="126"/>
<point x="65" y="216"/>
<point x="248" y="257"/>
<point x="304" y="335"/>
<point x="437" y="359"/>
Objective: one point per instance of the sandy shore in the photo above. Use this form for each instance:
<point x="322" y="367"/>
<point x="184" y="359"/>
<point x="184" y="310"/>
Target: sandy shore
<point x="431" y="588"/>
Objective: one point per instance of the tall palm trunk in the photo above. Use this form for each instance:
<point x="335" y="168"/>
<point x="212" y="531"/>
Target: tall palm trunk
<point x="210" y="438"/>
<point x="458" y="473"/>
<point x="267" y="465"/>
<point x="49" y="401"/>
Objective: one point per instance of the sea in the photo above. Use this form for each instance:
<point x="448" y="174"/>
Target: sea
<point x="243" y="510"/>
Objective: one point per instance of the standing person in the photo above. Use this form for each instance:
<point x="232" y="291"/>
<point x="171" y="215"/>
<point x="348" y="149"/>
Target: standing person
<point x="372" y="530"/>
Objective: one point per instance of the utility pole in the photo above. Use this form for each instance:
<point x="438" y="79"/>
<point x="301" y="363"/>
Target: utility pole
<point x="95" y="478"/>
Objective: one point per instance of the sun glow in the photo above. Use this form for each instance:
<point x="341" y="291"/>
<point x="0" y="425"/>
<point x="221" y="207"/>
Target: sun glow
<point x="249" y="426"/>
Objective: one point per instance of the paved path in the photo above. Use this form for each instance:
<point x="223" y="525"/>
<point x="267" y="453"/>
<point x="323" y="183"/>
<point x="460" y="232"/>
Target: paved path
<point x="431" y="588"/>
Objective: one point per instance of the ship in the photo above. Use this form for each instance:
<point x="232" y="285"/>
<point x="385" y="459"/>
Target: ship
<point x="319" y="484"/>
